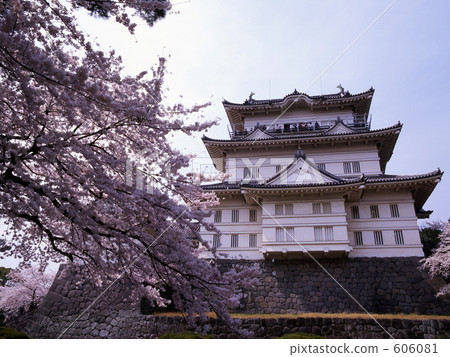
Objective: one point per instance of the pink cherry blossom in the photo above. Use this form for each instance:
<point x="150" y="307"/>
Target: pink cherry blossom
<point x="71" y="123"/>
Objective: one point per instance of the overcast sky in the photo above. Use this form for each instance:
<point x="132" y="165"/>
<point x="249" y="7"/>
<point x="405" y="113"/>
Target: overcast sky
<point x="227" y="49"/>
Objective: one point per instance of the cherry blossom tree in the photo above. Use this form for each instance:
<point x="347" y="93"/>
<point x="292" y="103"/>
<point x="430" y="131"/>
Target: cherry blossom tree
<point x="24" y="289"/>
<point x="439" y="263"/>
<point x="79" y="143"/>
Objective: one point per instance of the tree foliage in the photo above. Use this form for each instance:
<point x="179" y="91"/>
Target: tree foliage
<point x="4" y="275"/>
<point x="102" y="9"/>
<point x="24" y="289"/>
<point x="439" y="263"/>
<point x="429" y="236"/>
<point x="72" y="127"/>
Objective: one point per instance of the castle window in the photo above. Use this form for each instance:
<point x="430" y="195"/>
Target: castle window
<point x="216" y="241"/>
<point x="326" y="208"/>
<point x="355" y="212"/>
<point x="277" y="168"/>
<point x="316" y="208"/>
<point x="328" y="233"/>
<point x="290" y="234"/>
<point x="285" y="234"/>
<point x="347" y="168"/>
<point x="252" y="215"/>
<point x="235" y="216"/>
<point x="352" y="167"/>
<point x="279" y="234"/>
<point x="289" y="209"/>
<point x="318" y="234"/>
<point x="321" y="166"/>
<point x="398" y="235"/>
<point x="278" y="209"/>
<point x="234" y="240"/>
<point x="251" y="172"/>
<point x="358" y="238"/>
<point x="323" y="233"/>
<point x="356" y="167"/>
<point x="321" y="208"/>
<point x="252" y="240"/>
<point x="378" y="237"/>
<point x="374" y="213"/>
<point x="394" y="210"/>
<point x="217" y="216"/>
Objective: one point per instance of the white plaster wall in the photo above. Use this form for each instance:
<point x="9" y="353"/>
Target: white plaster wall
<point x="332" y="157"/>
<point x="407" y="223"/>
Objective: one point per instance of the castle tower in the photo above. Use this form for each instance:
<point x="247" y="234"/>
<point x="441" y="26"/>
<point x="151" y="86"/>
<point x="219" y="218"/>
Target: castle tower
<point x="307" y="175"/>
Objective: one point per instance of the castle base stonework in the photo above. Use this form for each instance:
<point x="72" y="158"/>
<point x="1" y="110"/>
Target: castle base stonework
<point x="380" y="285"/>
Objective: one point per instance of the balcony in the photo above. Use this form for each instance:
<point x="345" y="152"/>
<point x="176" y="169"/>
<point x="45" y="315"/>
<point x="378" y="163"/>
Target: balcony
<point x="357" y="122"/>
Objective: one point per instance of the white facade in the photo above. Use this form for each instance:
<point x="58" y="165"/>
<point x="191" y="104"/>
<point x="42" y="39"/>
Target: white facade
<point x="313" y="182"/>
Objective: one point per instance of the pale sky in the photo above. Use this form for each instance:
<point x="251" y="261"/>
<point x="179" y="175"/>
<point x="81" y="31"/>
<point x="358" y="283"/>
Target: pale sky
<point x="227" y="49"/>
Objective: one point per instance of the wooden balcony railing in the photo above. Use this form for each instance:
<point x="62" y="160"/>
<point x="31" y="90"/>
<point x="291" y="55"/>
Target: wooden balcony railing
<point x="357" y="122"/>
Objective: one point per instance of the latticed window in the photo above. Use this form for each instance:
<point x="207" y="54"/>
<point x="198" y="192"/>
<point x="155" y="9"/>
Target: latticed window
<point x="217" y="216"/>
<point x="398" y="235"/>
<point x="394" y="210"/>
<point x="355" y="212"/>
<point x="216" y="241"/>
<point x="352" y="167"/>
<point x="278" y="209"/>
<point x="358" y="238"/>
<point x="326" y="207"/>
<point x="279" y="234"/>
<point x="251" y="172"/>
<point x="252" y="215"/>
<point x="289" y="209"/>
<point x="234" y="240"/>
<point x="235" y="216"/>
<point x="347" y="168"/>
<point x="374" y="213"/>
<point x="252" y="240"/>
<point x="378" y="237"/>
<point x="316" y="208"/>
<point x="321" y="166"/>
<point x="290" y="234"/>
<point x="318" y="234"/>
<point x="321" y="208"/>
<point x="328" y="233"/>
<point x="277" y="168"/>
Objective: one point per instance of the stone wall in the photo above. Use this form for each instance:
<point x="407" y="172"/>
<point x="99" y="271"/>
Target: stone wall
<point x="381" y="285"/>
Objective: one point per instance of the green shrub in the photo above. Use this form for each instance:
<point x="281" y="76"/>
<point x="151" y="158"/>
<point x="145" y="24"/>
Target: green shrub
<point x="300" y="335"/>
<point x="186" y="334"/>
<point x="6" y="333"/>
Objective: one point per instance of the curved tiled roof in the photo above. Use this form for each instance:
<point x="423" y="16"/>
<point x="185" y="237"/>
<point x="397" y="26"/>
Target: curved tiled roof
<point x="341" y="181"/>
<point x="314" y="98"/>
<point x="423" y="185"/>
<point x="292" y="137"/>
